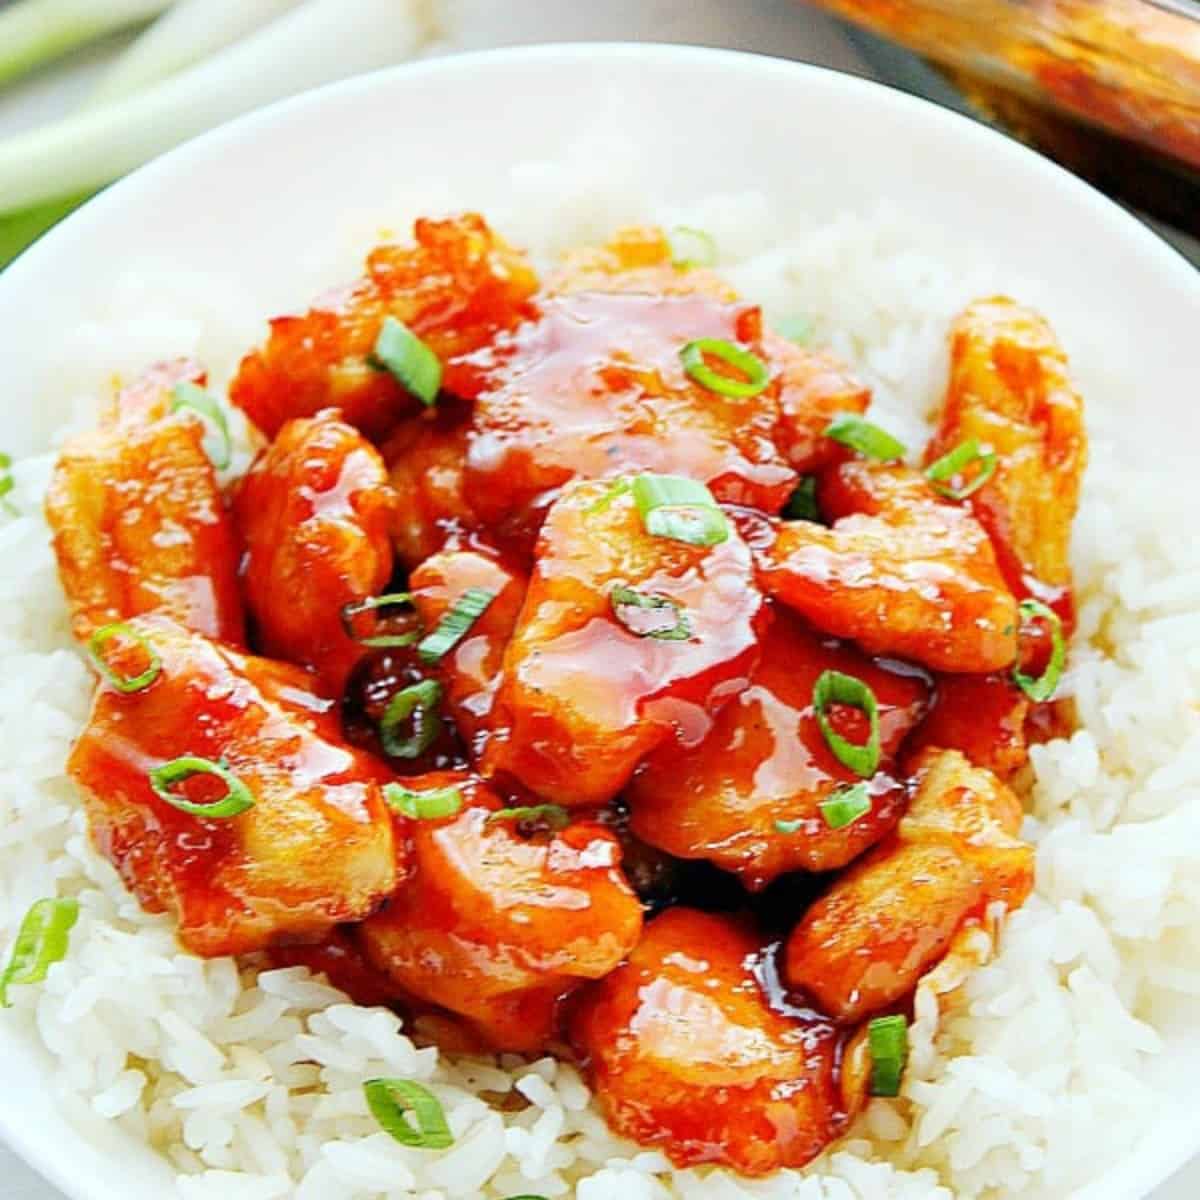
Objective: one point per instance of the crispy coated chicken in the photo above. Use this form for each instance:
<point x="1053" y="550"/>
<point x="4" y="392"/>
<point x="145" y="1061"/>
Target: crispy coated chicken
<point x="315" y="848"/>
<point x="139" y="523"/>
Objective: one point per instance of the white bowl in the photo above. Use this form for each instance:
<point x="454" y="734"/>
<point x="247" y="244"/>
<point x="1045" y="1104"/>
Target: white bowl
<point x="246" y="200"/>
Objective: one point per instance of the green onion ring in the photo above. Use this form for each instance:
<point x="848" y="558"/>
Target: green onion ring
<point x="125" y="684"/>
<point x="453" y="627"/>
<point x="888" y="1041"/>
<point x="389" y="600"/>
<point x="392" y="1100"/>
<point x="673" y="506"/>
<point x="408" y="360"/>
<point x="1042" y="688"/>
<point x="846" y="805"/>
<point x="236" y="800"/>
<point x="419" y="703"/>
<point x="954" y="463"/>
<point x="432" y="805"/>
<point x="186" y="394"/>
<point x="832" y="687"/>
<point x="621" y="597"/>
<point x="869" y="440"/>
<point x="733" y="355"/>
<point x="41" y="941"/>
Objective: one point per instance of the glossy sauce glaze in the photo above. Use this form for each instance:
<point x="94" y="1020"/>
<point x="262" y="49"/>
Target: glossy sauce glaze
<point x="543" y="768"/>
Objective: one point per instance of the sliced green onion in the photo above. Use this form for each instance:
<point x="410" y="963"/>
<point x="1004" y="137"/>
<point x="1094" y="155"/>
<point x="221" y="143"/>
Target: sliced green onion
<point x="432" y="805"/>
<point x="1044" y="686"/>
<point x="691" y="247"/>
<point x="619" y="488"/>
<point x="796" y="329"/>
<point x="7" y="484"/>
<point x="832" y="687"/>
<point x="391" y="1101"/>
<point x="733" y="355"/>
<point x="123" y="683"/>
<point x="551" y="816"/>
<point x="237" y="799"/>
<point x="789" y="826"/>
<point x="41" y="941"/>
<point x="802" y="504"/>
<point x="390" y="600"/>
<point x="417" y="703"/>
<point x="190" y="395"/>
<point x="676" y="627"/>
<point x="851" y="430"/>
<point x="682" y="509"/>
<point x="408" y="360"/>
<point x="846" y="806"/>
<point x="952" y="465"/>
<point x="452" y="628"/>
<point x="887" y="1038"/>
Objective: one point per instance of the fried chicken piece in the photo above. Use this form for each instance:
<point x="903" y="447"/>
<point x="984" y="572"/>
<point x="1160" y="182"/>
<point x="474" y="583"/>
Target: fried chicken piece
<point x="865" y="944"/>
<point x="765" y="762"/>
<point x="470" y="671"/>
<point x="625" y="641"/>
<point x="498" y="922"/>
<point x="138" y="520"/>
<point x="1010" y="390"/>
<point x="315" y="848"/>
<point x="595" y="387"/>
<point x="815" y="386"/>
<point x="315" y="512"/>
<point x="983" y="716"/>
<point x="426" y="459"/>
<point x="900" y="572"/>
<point x="684" y="1053"/>
<point x="455" y="288"/>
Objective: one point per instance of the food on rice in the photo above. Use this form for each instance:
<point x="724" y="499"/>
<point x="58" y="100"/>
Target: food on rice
<point x="457" y="711"/>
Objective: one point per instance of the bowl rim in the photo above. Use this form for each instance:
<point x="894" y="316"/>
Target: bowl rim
<point x="1149" y="1167"/>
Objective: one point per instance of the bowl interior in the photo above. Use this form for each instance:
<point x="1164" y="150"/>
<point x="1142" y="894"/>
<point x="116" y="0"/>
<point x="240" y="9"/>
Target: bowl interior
<point x="260" y="203"/>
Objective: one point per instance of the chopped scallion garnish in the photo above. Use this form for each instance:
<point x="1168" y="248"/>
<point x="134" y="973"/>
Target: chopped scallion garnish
<point x="673" y="506"/>
<point x="415" y="705"/>
<point x="1043" y="687"/>
<point x="832" y="687"/>
<point x="431" y="805"/>
<point x="757" y="376"/>
<point x="545" y="816"/>
<point x="7" y="485"/>
<point x="802" y="504"/>
<point x="852" y="430"/>
<point x="846" y="805"/>
<point x="453" y="627"/>
<point x="237" y="799"/>
<point x="390" y="600"/>
<point x="887" y="1038"/>
<point x="190" y="395"/>
<point x="647" y="614"/>
<point x="408" y="360"/>
<point x="789" y="826"/>
<point x="41" y="941"/>
<point x="392" y="1100"/>
<point x="953" y="465"/>
<point x="691" y="247"/>
<point x="124" y="683"/>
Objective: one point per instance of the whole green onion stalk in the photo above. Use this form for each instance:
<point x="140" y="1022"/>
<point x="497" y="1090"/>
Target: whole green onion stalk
<point x="36" y="32"/>
<point x="46" y="171"/>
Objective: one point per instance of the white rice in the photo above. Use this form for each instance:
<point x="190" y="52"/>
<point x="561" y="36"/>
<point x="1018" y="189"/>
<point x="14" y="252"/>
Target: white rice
<point x="1030" y="1080"/>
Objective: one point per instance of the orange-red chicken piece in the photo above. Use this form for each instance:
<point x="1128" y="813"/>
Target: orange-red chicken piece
<point x="981" y="715"/>
<point x="1010" y="390"/>
<point x="139" y="523"/>
<point x="456" y="287"/>
<point x="315" y="849"/>
<point x="865" y="944"/>
<point x="586" y="691"/>
<point x="499" y="924"/>
<point x="765" y="761"/>
<point x="595" y="387"/>
<point x="814" y="387"/>
<point x="470" y="672"/>
<point x="315" y="512"/>
<point x="685" y="1053"/>
<point x="426" y="458"/>
<point x="900" y="572"/>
